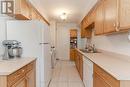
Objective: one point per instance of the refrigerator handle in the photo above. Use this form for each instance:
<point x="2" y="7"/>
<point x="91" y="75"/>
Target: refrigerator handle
<point x="43" y="43"/>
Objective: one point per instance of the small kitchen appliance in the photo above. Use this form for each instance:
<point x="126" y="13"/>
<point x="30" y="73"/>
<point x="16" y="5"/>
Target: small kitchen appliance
<point x="12" y="49"/>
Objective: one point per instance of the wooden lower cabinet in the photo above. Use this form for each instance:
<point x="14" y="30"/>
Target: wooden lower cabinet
<point x="81" y="66"/>
<point x="24" y="77"/>
<point x="20" y="83"/>
<point x="72" y="54"/>
<point x="99" y="81"/>
<point x="79" y="63"/>
<point x="31" y="79"/>
<point x="103" y="79"/>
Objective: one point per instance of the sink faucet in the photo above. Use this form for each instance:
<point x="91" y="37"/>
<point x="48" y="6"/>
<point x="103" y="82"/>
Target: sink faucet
<point x="91" y="48"/>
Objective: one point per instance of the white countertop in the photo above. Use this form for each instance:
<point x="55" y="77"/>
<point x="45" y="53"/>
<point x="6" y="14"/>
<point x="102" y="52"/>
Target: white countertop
<point x="116" y="65"/>
<point x="7" y="67"/>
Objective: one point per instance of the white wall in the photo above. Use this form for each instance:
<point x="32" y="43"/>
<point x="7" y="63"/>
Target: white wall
<point x="53" y="32"/>
<point x="117" y="43"/>
<point x="63" y="39"/>
<point x="3" y="19"/>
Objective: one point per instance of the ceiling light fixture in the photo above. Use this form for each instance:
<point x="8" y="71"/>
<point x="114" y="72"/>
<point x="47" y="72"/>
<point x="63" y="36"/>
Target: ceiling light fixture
<point x="63" y="16"/>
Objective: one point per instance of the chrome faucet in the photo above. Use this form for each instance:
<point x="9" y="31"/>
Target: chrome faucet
<point x="91" y="48"/>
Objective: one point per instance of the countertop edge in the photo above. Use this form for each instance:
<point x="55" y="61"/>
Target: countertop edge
<point x="108" y="71"/>
<point x="18" y="67"/>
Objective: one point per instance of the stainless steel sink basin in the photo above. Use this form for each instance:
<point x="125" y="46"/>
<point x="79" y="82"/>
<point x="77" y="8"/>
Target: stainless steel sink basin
<point x="86" y="51"/>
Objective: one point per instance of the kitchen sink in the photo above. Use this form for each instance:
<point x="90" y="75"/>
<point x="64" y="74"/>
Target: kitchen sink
<point x="86" y="51"/>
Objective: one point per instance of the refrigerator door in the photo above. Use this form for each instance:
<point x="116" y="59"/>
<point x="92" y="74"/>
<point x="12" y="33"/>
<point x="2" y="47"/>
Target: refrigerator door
<point x="29" y="34"/>
<point x="45" y="34"/>
<point x="46" y="48"/>
<point x="34" y="37"/>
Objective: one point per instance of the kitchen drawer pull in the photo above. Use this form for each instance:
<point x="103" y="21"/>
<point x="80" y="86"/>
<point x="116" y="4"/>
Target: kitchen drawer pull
<point x="114" y="24"/>
<point x="23" y="71"/>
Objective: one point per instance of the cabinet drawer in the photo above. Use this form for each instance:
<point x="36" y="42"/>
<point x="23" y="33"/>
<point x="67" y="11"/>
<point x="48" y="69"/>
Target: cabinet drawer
<point x="107" y="77"/>
<point x="14" y="77"/>
<point x="30" y="66"/>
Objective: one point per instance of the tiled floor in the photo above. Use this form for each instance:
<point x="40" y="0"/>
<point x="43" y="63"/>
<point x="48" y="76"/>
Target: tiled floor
<point x="66" y="75"/>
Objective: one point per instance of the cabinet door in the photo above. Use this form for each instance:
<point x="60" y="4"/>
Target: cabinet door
<point x="25" y="9"/>
<point x="20" y="83"/>
<point x="78" y="59"/>
<point x="99" y="19"/>
<point x="99" y="82"/>
<point x="81" y="66"/>
<point x="110" y="16"/>
<point x="34" y="14"/>
<point x="124" y="14"/>
<point x="72" y="54"/>
<point x="22" y="10"/>
<point x="31" y="79"/>
<point x="73" y="33"/>
<point x="83" y="31"/>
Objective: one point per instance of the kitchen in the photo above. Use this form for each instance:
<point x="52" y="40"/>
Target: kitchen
<point x="65" y="43"/>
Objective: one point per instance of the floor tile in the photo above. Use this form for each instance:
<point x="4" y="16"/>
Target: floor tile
<point x="65" y="74"/>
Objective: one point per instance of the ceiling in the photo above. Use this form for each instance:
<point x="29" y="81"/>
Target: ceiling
<point x="76" y="9"/>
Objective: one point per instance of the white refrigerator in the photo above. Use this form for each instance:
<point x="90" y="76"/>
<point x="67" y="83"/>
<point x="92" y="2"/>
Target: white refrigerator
<point x="35" y="40"/>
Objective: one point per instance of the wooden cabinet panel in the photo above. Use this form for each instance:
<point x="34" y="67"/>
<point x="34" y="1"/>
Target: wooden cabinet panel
<point x="110" y="16"/>
<point x="86" y="32"/>
<point x="22" y="10"/>
<point x="124" y="14"/>
<point x="16" y="76"/>
<point x="83" y="31"/>
<point x="99" y="82"/>
<point x="34" y="15"/>
<point x="103" y="79"/>
<point x="81" y="66"/>
<point x="24" y="77"/>
<point x="73" y="33"/>
<point x="72" y="54"/>
<point x="79" y="63"/>
<point x="99" y="19"/>
<point x="31" y="79"/>
<point x="20" y="83"/>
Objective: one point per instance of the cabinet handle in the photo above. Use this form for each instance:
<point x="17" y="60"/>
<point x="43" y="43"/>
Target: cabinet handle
<point x="23" y="71"/>
<point x="116" y="25"/>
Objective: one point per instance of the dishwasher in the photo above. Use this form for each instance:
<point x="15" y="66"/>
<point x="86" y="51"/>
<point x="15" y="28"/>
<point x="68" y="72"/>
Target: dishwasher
<point x="87" y="72"/>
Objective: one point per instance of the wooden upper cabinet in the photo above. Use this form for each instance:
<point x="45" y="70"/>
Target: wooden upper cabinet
<point x="73" y="33"/>
<point x="124" y="14"/>
<point x="85" y="31"/>
<point x="22" y="10"/>
<point x="116" y="16"/>
<point x="34" y="14"/>
<point x="82" y="30"/>
<point x="110" y="16"/>
<point x="99" y="19"/>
